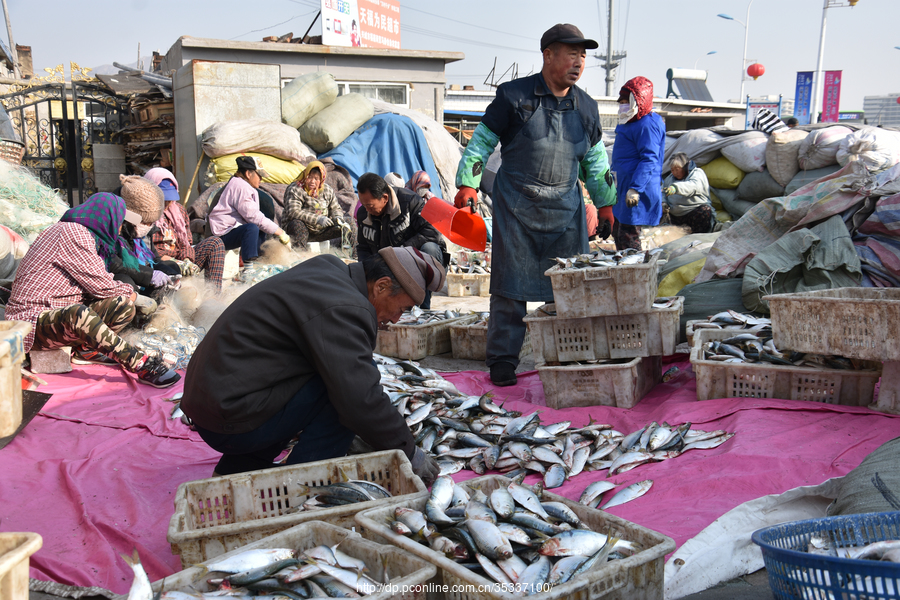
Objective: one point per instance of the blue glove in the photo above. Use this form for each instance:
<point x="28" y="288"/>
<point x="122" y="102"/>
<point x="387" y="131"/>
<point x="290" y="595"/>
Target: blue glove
<point x="160" y="279"/>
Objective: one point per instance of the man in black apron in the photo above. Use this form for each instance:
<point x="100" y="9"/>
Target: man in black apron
<point x="549" y="131"/>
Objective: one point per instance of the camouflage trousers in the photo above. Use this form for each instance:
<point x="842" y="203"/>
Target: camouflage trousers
<point x="301" y="235"/>
<point x="93" y="327"/>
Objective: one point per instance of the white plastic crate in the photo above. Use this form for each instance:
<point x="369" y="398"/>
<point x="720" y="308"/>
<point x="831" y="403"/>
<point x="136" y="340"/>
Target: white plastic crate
<point x="214" y="516"/>
<point x="764" y="380"/>
<point x="468" y="284"/>
<point x="15" y="550"/>
<point x="637" y="577"/>
<point x="469" y="342"/>
<point x="414" y="342"/>
<point x="12" y="354"/>
<point x="560" y="339"/>
<point x="406" y="573"/>
<point x="600" y="291"/>
<point x="623" y="383"/>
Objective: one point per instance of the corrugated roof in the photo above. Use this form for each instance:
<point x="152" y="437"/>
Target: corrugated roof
<point x="127" y="83"/>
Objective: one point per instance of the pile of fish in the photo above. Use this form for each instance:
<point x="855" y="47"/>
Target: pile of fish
<point x="418" y="316"/>
<point x="175" y="344"/>
<point x="339" y="493"/>
<point x="731" y="319"/>
<point x="476" y="267"/>
<point x="256" y="272"/>
<point x="320" y="572"/>
<point x="604" y="258"/>
<point x="473" y="432"/>
<point x="887" y="550"/>
<point x="510" y="535"/>
<point x="747" y="347"/>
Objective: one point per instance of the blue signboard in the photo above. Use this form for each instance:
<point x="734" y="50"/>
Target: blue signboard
<point x="802" y="97"/>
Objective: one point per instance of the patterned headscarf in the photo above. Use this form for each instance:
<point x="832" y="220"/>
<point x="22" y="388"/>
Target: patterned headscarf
<point x="174" y="212"/>
<point x="641" y="89"/>
<point x="303" y="178"/>
<point x="418" y="180"/>
<point x="102" y="214"/>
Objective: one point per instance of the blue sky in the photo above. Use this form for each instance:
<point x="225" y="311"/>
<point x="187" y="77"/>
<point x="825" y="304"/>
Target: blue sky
<point x="657" y="34"/>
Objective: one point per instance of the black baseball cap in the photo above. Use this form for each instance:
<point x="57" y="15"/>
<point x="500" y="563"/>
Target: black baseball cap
<point x="567" y="34"/>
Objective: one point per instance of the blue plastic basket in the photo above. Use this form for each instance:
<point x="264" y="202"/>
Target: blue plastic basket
<point x="797" y="574"/>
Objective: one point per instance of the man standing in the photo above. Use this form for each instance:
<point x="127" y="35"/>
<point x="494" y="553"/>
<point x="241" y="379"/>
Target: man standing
<point x="549" y="130"/>
<point x="392" y="217"/>
<point x="291" y="359"/>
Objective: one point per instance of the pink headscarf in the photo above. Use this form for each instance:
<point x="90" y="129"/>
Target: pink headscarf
<point x="418" y="180"/>
<point x="173" y="211"/>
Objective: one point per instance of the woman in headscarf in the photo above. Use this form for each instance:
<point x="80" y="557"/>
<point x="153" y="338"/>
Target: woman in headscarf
<point x="420" y="183"/>
<point x="637" y="163"/>
<point x="172" y="237"/>
<point x="311" y="210"/>
<point x="63" y="289"/>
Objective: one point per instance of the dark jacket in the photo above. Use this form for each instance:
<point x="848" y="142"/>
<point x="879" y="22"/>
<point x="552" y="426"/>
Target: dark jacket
<point x="315" y="318"/>
<point x="401" y="224"/>
<point x="144" y="273"/>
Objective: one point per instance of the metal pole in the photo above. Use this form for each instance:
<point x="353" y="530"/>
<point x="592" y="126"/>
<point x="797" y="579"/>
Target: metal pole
<point x="744" y="59"/>
<point x="817" y="77"/>
<point x="610" y="76"/>
<point x="12" y="45"/>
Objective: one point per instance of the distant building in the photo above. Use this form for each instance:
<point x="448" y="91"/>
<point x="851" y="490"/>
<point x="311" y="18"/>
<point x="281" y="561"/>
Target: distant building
<point x="787" y="104"/>
<point x="882" y="110"/>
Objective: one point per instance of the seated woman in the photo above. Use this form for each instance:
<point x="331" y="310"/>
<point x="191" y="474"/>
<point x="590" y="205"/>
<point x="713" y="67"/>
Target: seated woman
<point x="420" y="183"/>
<point x="172" y="237"/>
<point x="687" y="195"/>
<point x="62" y="288"/>
<point x="311" y="210"/>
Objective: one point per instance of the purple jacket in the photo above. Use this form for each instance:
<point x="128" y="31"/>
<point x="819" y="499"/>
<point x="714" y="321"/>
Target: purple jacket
<point x="238" y="205"/>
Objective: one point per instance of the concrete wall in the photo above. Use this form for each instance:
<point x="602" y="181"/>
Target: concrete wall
<point x="207" y="92"/>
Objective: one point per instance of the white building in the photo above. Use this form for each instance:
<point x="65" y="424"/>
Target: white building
<point x="882" y="110"/>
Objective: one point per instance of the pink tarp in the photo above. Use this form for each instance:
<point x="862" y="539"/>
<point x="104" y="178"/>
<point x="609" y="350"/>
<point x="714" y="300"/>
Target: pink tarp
<point x="96" y="471"/>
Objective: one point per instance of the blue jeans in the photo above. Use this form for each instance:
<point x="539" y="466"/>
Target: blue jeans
<point x="506" y="330"/>
<point x="434" y="250"/>
<point x="308" y="415"/>
<point x="247" y="237"/>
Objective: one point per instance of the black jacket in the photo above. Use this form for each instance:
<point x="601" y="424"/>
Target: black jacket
<point x="401" y="224"/>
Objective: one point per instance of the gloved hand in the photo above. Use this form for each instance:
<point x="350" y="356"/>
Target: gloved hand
<point x="145" y="305"/>
<point x="284" y="238"/>
<point x="463" y="196"/>
<point x="605" y="220"/>
<point x="671" y="190"/>
<point x="425" y="467"/>
<point x="342" y="223"/>
<point x="324" y="222"/>
<point x="632" y="198"/>
<point x="159" y="279"/>
<point x="187" y="268"/>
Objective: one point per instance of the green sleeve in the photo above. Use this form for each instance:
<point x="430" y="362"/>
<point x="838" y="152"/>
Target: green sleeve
<point x="597" y="177"/>
<point x="471" y="165"/>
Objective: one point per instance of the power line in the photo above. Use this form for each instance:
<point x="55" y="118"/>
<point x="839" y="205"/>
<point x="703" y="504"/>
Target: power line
<point x="526" y="37"/>
<point x="430" y="33"/>
<point x="275" y="25"/>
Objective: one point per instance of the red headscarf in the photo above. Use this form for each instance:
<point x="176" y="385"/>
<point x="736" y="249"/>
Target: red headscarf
<point x="642" y="90"/>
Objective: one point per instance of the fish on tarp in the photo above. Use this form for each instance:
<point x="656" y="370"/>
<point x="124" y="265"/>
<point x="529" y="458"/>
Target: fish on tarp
<point x="635" y="490"/>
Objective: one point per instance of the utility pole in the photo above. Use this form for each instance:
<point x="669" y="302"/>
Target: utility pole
<point x="15" y="55"/>
<point x="611" y="60"/>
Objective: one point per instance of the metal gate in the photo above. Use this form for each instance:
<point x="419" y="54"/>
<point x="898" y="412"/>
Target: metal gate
<point x="59" y="124"/>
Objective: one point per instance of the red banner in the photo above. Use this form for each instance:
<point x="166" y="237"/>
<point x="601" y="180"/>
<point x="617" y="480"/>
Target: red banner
<point x="831" y="105"/>
<point x="379" y="23"/>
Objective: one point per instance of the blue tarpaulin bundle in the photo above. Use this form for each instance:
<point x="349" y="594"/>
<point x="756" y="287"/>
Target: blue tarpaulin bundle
<point x="387" y="143"/>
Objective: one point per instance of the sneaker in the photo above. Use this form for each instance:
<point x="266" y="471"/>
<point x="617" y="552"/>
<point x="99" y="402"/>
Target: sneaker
<point x="503" y="374"/>
<point x="91" y="357"/>
<point x="156" y="373"/>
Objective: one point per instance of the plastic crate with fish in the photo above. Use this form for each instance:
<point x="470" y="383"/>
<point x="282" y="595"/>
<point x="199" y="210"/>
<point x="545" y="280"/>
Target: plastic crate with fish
<point x="716" y="379"/>
<point x="600" y="291"/>
<point x="12" y="354"/>
<point x="636" y="577"/>
<point x="402" y="574"/>
<point x="559" y="339"/>
<point x="15" y="550"/>
<point x="469" y="341"/>
<point x="213" y="516"/>
<point x="853" y="322"/>
<point x="730" y="320"/>
<point x="620" y="382"/>
<point x="796" y="573"/>
<point x="468" y="284"/>
<point x="415" y="342"/>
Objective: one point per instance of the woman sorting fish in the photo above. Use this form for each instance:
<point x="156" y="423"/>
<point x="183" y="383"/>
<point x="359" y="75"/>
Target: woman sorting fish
<point x="289" y="364"/>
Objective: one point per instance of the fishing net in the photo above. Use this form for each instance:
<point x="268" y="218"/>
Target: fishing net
<point x="27" y="206"/>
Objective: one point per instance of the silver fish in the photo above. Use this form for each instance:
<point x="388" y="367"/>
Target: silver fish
<point x="489" y="540"/>
<point x="595" y="490"/>
<point x="526" y="498"/>
<point x="249" y="559"/>
<point x="635" y="490"/>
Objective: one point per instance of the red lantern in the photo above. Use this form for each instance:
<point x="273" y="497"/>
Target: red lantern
<point x="755" y="71"/>
<point x="898" y="100"/>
